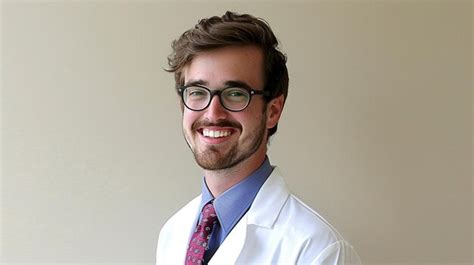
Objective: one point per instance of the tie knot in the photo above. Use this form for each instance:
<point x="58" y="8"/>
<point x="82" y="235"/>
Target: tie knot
<point x="209" y="214"/>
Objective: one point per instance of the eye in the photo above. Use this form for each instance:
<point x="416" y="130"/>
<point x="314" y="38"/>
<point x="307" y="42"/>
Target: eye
<point x="195" y="92"/>
<point x="236" y="94"/>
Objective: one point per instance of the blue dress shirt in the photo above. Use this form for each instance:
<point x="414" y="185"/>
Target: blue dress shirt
<point x="231" y="205"/>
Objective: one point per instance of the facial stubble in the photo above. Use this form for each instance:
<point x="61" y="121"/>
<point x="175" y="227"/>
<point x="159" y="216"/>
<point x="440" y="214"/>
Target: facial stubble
<point x="213" y="159"/>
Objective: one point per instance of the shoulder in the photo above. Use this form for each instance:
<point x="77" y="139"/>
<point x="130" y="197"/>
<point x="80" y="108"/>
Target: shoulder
<point x="317" y="235"/>
<point x="310" y="222"/>
<point x="302" y="224"/>
<point x="180" y="218"/>
<point x="276" y="206"/>
<point x="174" y="235"/>
<point x="317" y="240"/>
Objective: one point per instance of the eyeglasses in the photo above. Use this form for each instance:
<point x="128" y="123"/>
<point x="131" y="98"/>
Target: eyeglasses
<point x="198" y="97"/>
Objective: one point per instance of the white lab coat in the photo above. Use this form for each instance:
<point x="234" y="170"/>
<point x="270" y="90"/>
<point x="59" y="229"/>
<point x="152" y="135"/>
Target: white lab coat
<point x="277" y="229"/>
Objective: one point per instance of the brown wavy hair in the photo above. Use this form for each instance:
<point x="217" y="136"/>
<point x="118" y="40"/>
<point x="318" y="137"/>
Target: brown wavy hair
<point x="233" y="29"/>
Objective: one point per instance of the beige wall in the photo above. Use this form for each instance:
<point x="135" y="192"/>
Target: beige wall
<point x="376" y="134"/>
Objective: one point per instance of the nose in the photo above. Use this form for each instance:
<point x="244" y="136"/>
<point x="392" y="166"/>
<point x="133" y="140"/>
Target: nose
<point x="215" y="111"/>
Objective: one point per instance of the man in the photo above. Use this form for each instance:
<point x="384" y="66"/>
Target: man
<point x="233" y="82"/>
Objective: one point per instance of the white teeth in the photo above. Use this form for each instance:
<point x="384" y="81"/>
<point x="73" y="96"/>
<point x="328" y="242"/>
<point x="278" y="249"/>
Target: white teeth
<point x="215" y="134"/>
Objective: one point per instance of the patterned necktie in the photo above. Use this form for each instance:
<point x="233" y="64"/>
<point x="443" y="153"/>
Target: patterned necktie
<point x="200" y="239"/>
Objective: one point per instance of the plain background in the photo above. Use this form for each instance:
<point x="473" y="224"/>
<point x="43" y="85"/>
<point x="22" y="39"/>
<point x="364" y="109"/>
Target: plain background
<point x="376" y="134"/>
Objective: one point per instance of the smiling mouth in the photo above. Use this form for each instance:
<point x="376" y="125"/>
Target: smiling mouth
<point x="215" y="133"/>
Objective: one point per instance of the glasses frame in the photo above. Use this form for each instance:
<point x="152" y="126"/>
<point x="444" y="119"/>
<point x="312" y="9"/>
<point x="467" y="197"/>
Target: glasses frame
<point x="218" y="92"/>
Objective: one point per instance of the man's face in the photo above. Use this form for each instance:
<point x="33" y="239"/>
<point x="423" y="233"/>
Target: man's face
<point x="235" y="136"/>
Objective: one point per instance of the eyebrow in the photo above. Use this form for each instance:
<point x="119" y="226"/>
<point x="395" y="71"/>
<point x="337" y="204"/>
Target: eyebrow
<point x="196" y="82"/>
<point x="229" y="83"/>
<point x="236" y="83"/>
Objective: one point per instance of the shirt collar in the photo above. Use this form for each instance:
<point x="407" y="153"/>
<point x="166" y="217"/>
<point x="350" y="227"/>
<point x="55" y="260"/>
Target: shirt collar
<point x="233" y="203"/>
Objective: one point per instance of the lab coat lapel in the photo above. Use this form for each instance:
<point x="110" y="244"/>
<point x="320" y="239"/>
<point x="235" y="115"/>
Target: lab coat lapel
<point x="182" y="236"/>
<point x="263" y="212"/>
<point x="229" y="250"/>
<point x="269" y="201"/>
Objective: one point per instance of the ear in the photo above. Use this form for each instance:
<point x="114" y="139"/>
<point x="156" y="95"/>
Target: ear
<point x="274" y="110"/>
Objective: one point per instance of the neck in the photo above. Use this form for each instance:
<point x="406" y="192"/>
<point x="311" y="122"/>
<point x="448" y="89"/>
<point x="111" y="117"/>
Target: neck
<point x="218" y="181"/>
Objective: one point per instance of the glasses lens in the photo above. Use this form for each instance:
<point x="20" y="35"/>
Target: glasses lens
<point x="196" y="98"/>
<point x="235" y="98"/>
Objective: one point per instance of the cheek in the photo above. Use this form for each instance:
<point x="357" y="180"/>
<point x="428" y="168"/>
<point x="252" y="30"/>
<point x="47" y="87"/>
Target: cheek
<point x="188" y="119"/>
<point x="251" y="121"/>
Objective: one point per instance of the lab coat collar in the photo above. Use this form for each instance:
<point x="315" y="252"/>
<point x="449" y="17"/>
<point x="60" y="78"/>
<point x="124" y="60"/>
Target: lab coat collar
<point x="269" y="201"/>
<point x="264" y="211"/>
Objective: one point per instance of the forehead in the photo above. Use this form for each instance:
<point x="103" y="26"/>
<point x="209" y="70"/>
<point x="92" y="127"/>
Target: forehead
<point x="234" y="63"/>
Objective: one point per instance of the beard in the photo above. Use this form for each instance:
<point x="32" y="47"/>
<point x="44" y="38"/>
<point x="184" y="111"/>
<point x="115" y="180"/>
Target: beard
<point x="215" y="159"/>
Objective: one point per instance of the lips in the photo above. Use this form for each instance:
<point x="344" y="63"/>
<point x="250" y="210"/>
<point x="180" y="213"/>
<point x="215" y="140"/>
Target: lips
<point x="216" y="133"/>
<point x="218" y="130"/>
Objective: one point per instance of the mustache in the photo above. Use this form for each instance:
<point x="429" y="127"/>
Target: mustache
<point x="219" y="123"/>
